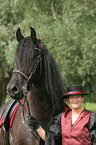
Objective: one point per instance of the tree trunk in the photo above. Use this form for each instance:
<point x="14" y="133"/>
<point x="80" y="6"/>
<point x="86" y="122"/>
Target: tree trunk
<point x="2" y="86"/>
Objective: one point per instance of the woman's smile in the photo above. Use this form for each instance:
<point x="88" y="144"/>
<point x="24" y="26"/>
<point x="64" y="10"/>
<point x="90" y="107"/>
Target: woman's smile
<point x="76" y="101"/>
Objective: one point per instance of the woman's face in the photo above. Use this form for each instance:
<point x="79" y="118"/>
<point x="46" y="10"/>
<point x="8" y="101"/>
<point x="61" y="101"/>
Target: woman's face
<point x="76" y="101"/>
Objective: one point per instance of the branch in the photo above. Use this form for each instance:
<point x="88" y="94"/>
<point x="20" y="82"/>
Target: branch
<point x="53" y="10"/>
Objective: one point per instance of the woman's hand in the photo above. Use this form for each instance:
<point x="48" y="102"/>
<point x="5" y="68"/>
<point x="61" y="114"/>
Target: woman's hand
<point x="33" y="122"/>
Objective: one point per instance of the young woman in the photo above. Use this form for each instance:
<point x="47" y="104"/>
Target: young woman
<point x="75" y="126"/>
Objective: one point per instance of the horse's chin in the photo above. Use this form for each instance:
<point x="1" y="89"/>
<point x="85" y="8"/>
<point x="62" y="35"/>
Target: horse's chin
<point x="17" y="97"/>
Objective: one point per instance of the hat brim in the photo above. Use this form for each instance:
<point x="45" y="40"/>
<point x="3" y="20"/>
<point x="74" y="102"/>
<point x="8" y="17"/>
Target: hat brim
<point x="65" y="96"/>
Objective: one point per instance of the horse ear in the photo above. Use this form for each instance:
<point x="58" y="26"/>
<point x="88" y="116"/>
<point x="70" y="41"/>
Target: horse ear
<point x="19" y="36"/>
<point x="33" y="34"/>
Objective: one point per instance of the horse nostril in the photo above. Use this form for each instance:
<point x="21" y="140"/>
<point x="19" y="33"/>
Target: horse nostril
<point x="15" y="90"/>
<point x="12" y="90"/>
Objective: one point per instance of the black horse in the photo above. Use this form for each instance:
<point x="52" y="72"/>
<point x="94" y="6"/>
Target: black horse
<point x="36" y="68"/>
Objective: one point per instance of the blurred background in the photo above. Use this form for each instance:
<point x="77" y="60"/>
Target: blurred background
<point x="67" y="27"/>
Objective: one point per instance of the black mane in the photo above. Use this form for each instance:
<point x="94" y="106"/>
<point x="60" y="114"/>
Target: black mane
<point x="53" y="80"/>
<point x="25" y="52"/>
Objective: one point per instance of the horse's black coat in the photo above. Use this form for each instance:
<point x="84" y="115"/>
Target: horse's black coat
<point x="45" y="86"/>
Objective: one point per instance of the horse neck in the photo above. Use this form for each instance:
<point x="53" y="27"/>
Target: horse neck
<point x="40" y="105"/>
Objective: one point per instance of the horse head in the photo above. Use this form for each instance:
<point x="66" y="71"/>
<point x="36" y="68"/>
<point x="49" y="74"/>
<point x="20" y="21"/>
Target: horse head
<point x="36" y="67"/>
<point x="27" y="60"/>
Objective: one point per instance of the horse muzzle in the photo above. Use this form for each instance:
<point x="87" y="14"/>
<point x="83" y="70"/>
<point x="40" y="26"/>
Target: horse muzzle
<point x="14" y="91"/>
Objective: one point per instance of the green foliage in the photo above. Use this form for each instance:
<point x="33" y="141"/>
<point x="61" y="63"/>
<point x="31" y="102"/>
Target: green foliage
<point x="90" y="106"/>
<point x="10" y="52"/>
<point x="66" y="27"/>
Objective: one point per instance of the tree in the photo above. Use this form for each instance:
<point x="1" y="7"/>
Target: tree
<point x="66" y="27"/>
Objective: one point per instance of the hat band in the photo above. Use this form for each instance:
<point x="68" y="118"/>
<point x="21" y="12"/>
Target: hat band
<point x="75" y="92"/>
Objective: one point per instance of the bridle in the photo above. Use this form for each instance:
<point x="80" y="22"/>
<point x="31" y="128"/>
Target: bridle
<point x="25" y="90"/>
<point x="33" y="69"/>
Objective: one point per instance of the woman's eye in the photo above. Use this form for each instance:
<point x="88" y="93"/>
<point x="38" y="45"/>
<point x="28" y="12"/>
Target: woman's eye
<point x="71" y="96"/>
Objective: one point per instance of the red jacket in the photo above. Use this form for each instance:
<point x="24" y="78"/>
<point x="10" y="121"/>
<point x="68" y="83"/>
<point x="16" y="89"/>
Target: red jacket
<point x="78" y="134"/>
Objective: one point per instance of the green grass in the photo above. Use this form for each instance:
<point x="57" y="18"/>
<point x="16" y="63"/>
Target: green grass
<point x="7" y="98"/>
<point x="90" y="106"/>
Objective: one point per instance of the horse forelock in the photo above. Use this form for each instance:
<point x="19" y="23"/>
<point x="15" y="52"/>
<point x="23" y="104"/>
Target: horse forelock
<point x="25" y="52"/>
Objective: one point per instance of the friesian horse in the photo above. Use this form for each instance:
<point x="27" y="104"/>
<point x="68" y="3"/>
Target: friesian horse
<point x="37" y="72"/>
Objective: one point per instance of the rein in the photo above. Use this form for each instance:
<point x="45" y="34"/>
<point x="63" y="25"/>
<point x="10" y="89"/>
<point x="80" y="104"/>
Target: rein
<point x="25" y="92"/>
<point x="26" y="125"/>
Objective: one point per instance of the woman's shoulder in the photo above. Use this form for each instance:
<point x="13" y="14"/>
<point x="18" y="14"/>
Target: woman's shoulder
<point x="58" y="117"/>
<point x="93" y="116"/>
<point x="66" y="113"/>
<point x="92" y="121"/>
